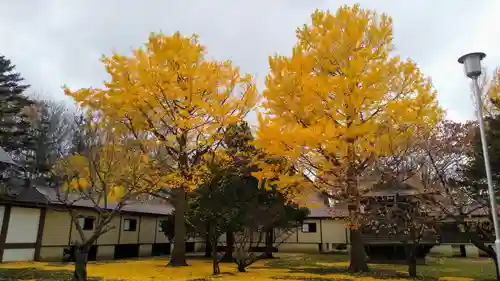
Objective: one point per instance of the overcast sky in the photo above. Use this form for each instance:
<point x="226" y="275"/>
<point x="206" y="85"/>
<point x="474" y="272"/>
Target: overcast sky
<point x="57" y="42"/>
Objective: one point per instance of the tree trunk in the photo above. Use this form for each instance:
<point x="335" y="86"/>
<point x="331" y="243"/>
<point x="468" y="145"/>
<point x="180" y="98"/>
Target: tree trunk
<point x="208" y="244"/>
<point x="463" y="251"/>
<point x="268" y="252"/>
<point x="228" y="254"/>
<point x="179" y="252"/>
<point x="81" y="259"/>
<point x="215" y="261"/>
<point x="241" y="267"/>
<point x="412" y="267"/>
<point x="476" y="241"/>
<point x="411" y="259"/>
<point x="497" y="270"/>
<point x="208" y="248"/>
<point x="357" y="253"/>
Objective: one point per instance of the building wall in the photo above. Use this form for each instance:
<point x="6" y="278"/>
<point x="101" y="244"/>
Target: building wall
<point x="310" y="237"/>
<point x="10" y="255"/>
<point x="75" y="236"/>
<point x="129" y="237"/>
<point x="472" y="251"/>
<point x="334" y="231"/>
<point x="19" y="233"/>
<point x="110" y="237"/>
<point x="298" y="247"/>
<point x="328" y="232"/>
<point x="148" y="229"/>
<point x="58" y="232"/>
<point x="105" y="252"/>
<point x="53" y="253"/>
<point x="29" y="233"/>
<point x="159" y="235"/>
<point x="447" y="250"/>
<point x="23" y="225"/>
<point x="57" y="228"/>
<point x="145" y="250"/>
<point x="291" y="237"/>
<point x="199" y="246"/>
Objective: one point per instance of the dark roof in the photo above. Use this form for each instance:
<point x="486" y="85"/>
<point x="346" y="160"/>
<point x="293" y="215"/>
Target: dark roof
<point x="5" y="157"/>
<point x="48" y="196"/>
<point x="319" y="207"/>
<point x="31" y="195"/>
<point x="133" y="206"/>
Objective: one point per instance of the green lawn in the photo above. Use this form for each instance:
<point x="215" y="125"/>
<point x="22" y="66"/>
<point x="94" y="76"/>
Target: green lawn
<point x="435" y="267"/>
<point x="285" y="267"/>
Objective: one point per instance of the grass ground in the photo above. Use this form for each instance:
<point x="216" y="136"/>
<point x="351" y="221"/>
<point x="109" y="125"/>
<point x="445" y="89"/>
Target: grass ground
<point x="285" y="267"/>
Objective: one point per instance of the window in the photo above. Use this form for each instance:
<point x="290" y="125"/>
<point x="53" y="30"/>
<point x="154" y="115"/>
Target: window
<point x="129" y="224"/>
<point x="86" y="223"/>
<point x="161" y="225"/>
<point x="309" y="227"/>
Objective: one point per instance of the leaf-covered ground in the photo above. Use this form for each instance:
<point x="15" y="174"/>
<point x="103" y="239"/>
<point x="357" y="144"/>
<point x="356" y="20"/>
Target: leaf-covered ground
<point x="285" y="267"/>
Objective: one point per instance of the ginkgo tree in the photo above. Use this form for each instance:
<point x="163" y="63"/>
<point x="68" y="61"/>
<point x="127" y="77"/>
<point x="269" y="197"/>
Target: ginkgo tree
<point x="340" y="101"/>
<point x="173" y="100"/>
<point x="105" y="176"/>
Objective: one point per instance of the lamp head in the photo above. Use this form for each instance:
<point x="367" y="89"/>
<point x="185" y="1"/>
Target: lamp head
<point x="472" y="63"/>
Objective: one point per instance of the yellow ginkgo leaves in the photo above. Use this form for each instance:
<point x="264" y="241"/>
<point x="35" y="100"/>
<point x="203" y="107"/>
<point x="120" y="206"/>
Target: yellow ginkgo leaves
<point x="169" y="96"/>
<point x="342" y="98"/>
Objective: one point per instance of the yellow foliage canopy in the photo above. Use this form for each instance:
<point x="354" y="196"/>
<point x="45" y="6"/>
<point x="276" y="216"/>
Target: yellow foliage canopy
<point x="342" y="99"/>
<point x="173" y="101"/>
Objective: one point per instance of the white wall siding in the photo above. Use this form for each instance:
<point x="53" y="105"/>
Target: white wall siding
<point x="334" y="231"/>
<point x="18" y="255"/>
<point x="23" y="225"/>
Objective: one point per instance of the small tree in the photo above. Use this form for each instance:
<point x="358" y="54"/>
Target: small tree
<point x="169" y="97"/>
<point x="234" y="203"/>
<point x="216" y="209"/>
<point x="267" y="220"/>
<point x="448" y="160"/>
<point x="475" y="190"/>
<point x="281" y="221"/>
<point x="108" y="175"/>
<point x="409" y="219"/>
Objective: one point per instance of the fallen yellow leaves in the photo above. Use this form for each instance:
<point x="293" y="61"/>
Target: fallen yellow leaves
<point x="455" y="279"/>
<point x="156" y="269"/>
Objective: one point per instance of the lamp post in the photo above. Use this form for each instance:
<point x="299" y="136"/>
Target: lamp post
<point x="472" y="66"/>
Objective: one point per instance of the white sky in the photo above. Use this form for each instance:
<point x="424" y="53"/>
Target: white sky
<point x="57" y="42"/>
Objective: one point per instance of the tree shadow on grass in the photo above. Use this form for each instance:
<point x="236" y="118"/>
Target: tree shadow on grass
<point x="39" y="274"/>
<point x="222" y="274"/>
<point x="300" y="261"/>
<point x="308" y="278"/>
<point x="375" y="273"/>
<point x="59" y="264"/>
<point x="312" y="268"/>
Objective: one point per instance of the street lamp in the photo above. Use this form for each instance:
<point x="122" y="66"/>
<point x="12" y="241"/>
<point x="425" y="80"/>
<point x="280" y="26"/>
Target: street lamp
<point x="472" y="66"/>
